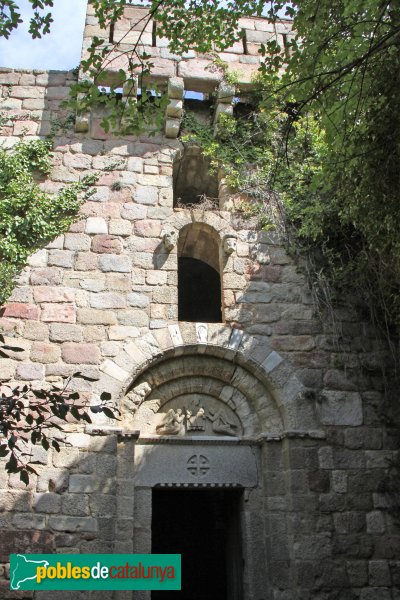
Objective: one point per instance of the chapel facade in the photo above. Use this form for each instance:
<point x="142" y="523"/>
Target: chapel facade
<point x="254" y="436"/>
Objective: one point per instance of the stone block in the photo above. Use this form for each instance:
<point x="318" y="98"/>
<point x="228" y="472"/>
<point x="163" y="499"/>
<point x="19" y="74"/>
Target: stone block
<point x="137" y="318"/>
<point x="63" y="332"/>
<point x="80" y="353"/>
<point x="30" y="372"/>
<point x="47" y="502"/>
<point x="375" y="593"/>
<point x="133" y="212"/>
<point x="21" y="294"/>
<point x="62" y="313"/>
<point x="77" y="161"/>
<point x="379" y="573"/>
<point x="91" y="316"/>
<point x="121" y="283"/>
<point x="86" y="261"/>
<point x="77" y="241"/>
<point x="49" y="276"/>
<point x="111" y="369"/>
<point x="45" y="353"/>
<point x="66" y="458"/>
<point x="375" y="522"/>
<point x="114" y="262"/>
<point x="105" y="300"/>
<point x="340" y="408"/>
<point x="75" y="504"/>
<point x="146" y="194"/>
<point x="84" y="524"/>
<point x="61" y="258"/>
<point x="172" y="127"/>
<point x="121" y="332"/>
<point x="96" y="225"/>
<point x="135" y="164"/>
<point x="147" y="228"/>
<point x="53" y="294"/>
<point x="120" y="227"/>
<point x="29" y="521"/>
<point x="176" y="88"/>
<point x="174" y="111"/>
<point x="20" y="310"/>
<point x="107" y="244"/>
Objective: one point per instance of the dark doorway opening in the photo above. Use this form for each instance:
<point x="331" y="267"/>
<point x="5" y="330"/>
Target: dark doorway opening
<point x="199" y="291"/>
<point x="204" y="527"/>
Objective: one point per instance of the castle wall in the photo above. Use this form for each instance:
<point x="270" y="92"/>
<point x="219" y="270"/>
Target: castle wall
<point x="102" y="299"/>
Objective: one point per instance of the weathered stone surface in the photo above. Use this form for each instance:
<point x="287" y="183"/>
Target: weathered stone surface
<point x="62" y="313"/>
<point x="106" y="244"/>
<point x="62" y="332"/>
<point x="50" y="276"/>
<point x="113" y="262"/>
<point x="132" y="212"/>
<point x="91" y="316"/>
<point x="30" y="372"/>
<point x="103" y="299"/>
<point x="341" y="408"/>
<point x="146" y="195"/>
<point x="53" y="294"/>
<point x="45" y="353"/>
<point x="107" y="300"/>
<point x="96" y="225"/>
<point x="80" y="353"/>
<point x="21" y="311"/>
<point x="63" y="523"/>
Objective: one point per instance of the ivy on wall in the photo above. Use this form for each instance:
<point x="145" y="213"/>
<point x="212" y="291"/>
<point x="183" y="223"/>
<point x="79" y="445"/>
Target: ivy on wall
<point x="29" y="217"/>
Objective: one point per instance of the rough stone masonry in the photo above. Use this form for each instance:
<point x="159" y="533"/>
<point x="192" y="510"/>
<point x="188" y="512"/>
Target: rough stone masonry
<point x="273" y="401"/>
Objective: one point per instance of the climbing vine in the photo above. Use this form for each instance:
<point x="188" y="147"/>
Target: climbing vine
<point x="30" y="217"/>
<point x="338" y="208"/>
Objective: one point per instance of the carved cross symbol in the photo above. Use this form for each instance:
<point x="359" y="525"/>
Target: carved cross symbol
<point x="198" y="465"/>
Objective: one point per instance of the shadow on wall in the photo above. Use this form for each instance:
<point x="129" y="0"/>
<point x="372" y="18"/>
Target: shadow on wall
<point x="81" y="501"/>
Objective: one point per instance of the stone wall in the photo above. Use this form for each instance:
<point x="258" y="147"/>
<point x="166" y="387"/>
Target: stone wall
<point x="102" y="299"/>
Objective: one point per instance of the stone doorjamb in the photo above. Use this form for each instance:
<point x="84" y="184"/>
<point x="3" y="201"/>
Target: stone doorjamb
<point x="255" y="582"/>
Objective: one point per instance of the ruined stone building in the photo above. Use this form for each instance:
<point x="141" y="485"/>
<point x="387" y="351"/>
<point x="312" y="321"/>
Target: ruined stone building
<point x="253" y="434"/>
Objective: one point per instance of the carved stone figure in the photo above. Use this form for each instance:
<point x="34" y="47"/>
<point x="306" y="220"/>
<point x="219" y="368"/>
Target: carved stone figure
<point x="229" y="244"/>
<point x="172" y="423"/>
<point x="221" y="422"/>
<point x="134" y="398"/>
<point x="196" y="422"/>
<point x="169" y="237"/>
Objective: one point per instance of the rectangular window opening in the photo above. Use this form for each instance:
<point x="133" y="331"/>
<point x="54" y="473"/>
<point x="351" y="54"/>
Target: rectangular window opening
<point x="111" y="37"/>
<point x="244" y="42"/>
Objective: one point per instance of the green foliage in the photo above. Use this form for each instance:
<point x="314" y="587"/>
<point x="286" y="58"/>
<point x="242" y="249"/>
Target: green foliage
<point x="29" y="217"/>
<point x="32" y="415"/>
<point x="263" y="155"/>
<point x="340" y="89"/>
<point x="10" y="17"/>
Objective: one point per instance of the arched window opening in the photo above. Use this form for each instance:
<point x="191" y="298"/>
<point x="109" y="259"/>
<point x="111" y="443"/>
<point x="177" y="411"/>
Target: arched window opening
<point x="199" y="280"/>
<point x="193" y="182"/>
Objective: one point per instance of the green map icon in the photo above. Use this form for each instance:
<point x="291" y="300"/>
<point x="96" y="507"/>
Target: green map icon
<point x="23" y="569"/>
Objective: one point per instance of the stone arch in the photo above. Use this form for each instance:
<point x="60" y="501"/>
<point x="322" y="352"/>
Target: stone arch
<point x="220" y="222"/>
<point x="250" y="360"/>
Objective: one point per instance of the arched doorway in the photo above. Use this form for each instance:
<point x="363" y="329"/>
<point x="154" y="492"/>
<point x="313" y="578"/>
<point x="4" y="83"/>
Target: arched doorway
<point x="198" y="484"/>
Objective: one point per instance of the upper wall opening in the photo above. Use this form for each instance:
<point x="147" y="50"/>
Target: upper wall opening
<point x="193" y="181"/>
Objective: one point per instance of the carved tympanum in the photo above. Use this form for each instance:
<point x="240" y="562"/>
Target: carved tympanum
<point x="185" y="416"/>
